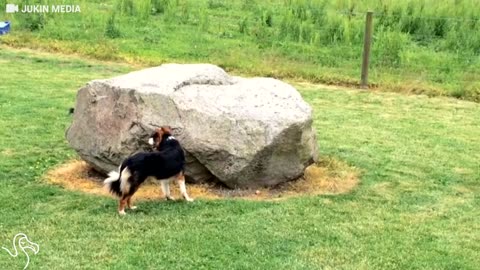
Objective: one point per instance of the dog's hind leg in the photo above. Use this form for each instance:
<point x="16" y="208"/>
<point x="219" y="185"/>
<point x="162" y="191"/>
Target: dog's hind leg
<point x="129" y="203"/>
<point x="129" y="198"/>
<point x="165" y="183"/>
<point x="183" y="188"/>
<point x="126" y="198"/>
<point x="137" y="181"/>
<point x="121" y="205"/>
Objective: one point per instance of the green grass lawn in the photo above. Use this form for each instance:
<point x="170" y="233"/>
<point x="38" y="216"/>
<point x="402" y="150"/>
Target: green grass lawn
<point x="417" y="207"/>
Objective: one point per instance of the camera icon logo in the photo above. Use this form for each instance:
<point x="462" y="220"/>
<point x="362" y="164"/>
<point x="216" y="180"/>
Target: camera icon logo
<point x="11" y="8"/>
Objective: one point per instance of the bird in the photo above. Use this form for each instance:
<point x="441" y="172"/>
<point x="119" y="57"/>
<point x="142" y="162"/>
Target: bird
<point x="21" y="239"/>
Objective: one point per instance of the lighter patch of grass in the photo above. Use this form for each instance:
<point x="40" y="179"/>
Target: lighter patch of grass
<point x="464" y="171"/>
<point x="8" y="152"/>
<point x="328" y="176"/>
<point x="78" y="175"/>
<point x="384" y="190"/>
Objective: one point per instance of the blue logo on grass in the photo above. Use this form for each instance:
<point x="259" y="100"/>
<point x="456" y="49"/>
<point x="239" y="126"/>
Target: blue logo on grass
<point x="4" y="27"/>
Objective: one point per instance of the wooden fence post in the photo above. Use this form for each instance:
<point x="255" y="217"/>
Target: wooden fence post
<point x="366" y="49"/>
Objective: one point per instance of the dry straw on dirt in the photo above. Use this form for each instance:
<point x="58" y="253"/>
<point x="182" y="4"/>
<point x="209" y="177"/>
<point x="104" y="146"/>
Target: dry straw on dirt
<point x="325" y="177"/>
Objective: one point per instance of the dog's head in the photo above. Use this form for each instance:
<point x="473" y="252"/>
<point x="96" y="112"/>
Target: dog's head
<point x="159" y="135"/>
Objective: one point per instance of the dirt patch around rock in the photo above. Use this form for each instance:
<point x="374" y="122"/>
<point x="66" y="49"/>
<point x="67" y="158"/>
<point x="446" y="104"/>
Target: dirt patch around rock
<point x="328" y="176"/>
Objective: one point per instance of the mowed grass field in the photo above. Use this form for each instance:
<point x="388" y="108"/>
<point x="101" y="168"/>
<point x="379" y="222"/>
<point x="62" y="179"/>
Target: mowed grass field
<point x="427" y="46"/>
<point x="417" y="206"/>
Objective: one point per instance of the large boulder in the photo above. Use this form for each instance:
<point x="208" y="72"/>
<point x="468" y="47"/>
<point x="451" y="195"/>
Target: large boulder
<point x="242" y="132"/>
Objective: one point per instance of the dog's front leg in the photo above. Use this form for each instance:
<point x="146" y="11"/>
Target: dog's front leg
<point x="183" y="188"/>
<point x="166" y="189"/>
<point x="129" y="203"/>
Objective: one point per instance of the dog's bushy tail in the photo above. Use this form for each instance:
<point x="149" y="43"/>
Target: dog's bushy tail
<point x="114" y="182"/>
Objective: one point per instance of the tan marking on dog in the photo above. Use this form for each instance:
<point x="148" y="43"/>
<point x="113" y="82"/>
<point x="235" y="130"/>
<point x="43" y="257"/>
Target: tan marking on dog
<point x="158" y="140"/>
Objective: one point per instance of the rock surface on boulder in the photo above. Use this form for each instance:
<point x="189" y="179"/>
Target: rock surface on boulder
<point x="242" y="132"/>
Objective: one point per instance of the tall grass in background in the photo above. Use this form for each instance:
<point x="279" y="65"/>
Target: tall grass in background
<point x="433" y="44"/>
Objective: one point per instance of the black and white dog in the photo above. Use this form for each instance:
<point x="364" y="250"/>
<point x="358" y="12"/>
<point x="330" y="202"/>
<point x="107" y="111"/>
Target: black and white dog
<point x="165" y="164"/>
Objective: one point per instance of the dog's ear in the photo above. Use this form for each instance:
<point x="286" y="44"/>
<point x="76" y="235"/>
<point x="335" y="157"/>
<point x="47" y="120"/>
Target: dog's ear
<point x="158" y="138"/>
<point x="167" y="130"/>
